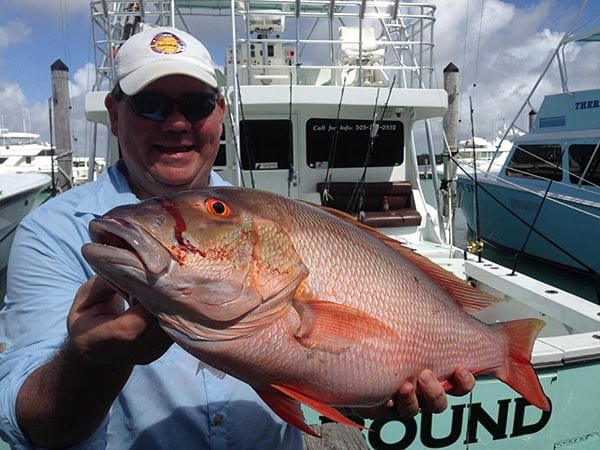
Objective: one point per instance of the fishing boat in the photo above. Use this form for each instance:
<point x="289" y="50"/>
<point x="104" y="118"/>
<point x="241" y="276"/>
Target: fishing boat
<point x="325" y="98"/>
<point x="18" y="195"/>
<point x="547" y="192"/>
<point x="22" y="151"/>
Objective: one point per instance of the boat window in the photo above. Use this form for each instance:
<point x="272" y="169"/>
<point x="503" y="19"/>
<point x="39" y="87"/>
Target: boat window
<point x="352" y="142"/>
<point x="266" y="144"/>
<point x="539" y="161"/>
<point x="579" y="159"/>
<point x="221" y="159"/>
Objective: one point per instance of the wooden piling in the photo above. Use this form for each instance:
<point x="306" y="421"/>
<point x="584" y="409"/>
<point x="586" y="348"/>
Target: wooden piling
<point x="61" y="107"/>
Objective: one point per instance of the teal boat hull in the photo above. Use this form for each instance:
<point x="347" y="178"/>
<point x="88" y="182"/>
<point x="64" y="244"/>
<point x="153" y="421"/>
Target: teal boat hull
<point x="493" y="416"/>
<point x="564" y="233"/>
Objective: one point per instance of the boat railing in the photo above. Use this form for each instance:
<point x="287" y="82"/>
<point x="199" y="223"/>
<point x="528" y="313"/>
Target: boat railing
<point x="356" y="43"/>
<point x="366" y="43"/>
<point x="365" y="70"/>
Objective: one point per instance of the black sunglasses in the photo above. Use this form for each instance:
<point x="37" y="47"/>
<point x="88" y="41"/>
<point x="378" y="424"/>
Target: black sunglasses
<point x="194" y="106"/>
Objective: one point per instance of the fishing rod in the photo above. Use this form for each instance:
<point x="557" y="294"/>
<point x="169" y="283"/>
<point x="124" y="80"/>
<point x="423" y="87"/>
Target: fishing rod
<point x="291" y="169"/>
<point x="235" y="137"/>
<point x="537" y="214"/>
<point x="53" y="190"/>
<point x="359" y="190"/>
<point x="478" y="244"/>
<point x="249" y="152"/>
<point x="332" y="150"/>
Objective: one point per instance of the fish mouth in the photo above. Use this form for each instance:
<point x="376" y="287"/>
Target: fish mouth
<point x="122" y="243"/>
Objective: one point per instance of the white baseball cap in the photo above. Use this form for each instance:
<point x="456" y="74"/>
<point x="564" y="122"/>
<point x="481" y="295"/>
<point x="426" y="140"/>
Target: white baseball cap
<point x="160" y="51"/>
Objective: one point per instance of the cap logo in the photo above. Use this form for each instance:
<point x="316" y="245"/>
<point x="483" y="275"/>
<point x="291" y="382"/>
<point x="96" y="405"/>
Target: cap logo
<point x="167" y="44"/>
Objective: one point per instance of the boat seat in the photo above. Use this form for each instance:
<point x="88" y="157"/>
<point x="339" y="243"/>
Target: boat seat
<point x="369" y="56"/>
<point x="385" y="204"/>
<point x="392" y="218"/>
<point x="370" y="52"/>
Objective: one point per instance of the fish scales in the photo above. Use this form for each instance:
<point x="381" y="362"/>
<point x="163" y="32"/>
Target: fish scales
<point x="414" y="309"/>
<point x="303" y="304"/>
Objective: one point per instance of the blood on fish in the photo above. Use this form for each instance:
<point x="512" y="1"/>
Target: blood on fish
<point x="179" y="228"/>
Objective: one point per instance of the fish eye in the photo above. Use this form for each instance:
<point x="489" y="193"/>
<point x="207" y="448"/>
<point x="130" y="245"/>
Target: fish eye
<point x="218" y="207"/>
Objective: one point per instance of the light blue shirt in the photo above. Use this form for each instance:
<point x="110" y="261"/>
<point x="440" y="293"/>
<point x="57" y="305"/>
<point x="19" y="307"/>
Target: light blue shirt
<point x="164" y="405"/>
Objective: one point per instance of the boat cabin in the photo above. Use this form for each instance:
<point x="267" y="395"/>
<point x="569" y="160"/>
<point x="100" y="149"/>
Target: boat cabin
<point x="565" y="143"/>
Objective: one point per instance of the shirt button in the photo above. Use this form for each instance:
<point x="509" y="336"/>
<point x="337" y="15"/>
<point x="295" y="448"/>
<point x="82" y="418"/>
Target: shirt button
<point x="218" y="419"/>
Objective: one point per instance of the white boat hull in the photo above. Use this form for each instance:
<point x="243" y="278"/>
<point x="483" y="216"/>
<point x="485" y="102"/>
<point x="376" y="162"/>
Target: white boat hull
<point x="18" y="195"/>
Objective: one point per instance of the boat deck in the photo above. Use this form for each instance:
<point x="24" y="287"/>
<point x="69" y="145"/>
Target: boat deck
<point x="335" y="436"/>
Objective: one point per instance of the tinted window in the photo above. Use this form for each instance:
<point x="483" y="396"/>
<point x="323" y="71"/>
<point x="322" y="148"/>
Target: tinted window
<point x="221" y="159"/>
<point x="348" y="147"/>
<point x="540" y="161"/>
<point x="266" y="144"/>
<point x="579" y="159"/>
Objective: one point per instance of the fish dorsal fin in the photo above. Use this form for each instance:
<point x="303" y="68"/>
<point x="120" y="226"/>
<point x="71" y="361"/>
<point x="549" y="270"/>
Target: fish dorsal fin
<point x="468" y="297"/>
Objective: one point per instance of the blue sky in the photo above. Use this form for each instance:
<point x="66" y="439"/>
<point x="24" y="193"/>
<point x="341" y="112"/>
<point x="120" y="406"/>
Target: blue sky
<point x="500" y="46"/>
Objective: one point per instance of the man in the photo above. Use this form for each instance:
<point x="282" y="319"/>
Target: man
<point x="108" y="376"/>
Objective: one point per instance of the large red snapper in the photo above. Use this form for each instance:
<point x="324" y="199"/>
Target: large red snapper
<point x="303" y="305"/>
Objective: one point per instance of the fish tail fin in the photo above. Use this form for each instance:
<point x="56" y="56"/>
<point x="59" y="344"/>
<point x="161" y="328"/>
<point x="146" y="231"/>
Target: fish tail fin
<point x="517" y="372"/>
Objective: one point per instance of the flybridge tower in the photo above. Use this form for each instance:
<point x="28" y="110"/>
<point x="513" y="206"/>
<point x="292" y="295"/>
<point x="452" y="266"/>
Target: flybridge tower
<point x="386" y="44"/>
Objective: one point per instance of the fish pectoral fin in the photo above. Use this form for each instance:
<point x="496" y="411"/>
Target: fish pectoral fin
<point x="287" y="408"/>
<point x="330" y="412"/>
<point x="334" y="328"/>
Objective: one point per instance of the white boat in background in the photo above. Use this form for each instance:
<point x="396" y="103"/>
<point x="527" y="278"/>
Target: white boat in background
<point x="324" y="97"/>
<point x="486" y="155"/>
<point x="20" y="148"/>
<point x="22" y="152"/>
<point x="19" y="193"/>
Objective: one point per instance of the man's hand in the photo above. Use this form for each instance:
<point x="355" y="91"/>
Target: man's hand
<point x="66" y="399"/>
<point x="106" y="333"/>
<point x="426" y="394"/>
<point x="429" y="395"/>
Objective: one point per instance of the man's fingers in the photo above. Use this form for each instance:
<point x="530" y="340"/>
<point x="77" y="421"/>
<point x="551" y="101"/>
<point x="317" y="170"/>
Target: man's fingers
<point x="406" y="402"/>
<point x="93" y="291"/>
<point x="433" y="397"/>
<point x="464" y="381"/>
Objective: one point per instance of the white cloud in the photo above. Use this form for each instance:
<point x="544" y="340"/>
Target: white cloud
<point x="501" y="52"/>
<point x="13" y="32"/>
<point x="13" y="103"/>
<point x="83" y="80"/>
